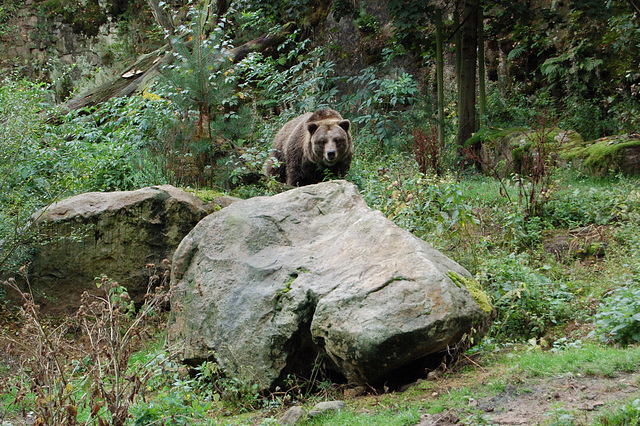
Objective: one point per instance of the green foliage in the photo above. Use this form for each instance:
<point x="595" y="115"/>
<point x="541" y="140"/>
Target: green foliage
<point x="419" y="203"/>
<point x="618" y="317"/>
<point x="284" y="11"/>
<point x="8" y="8"/>
<point x="367" y="23"/>
<point x="294" y="82"/>
<point x="378" y="103"/>
<point x="31" y="169"/>
<point x="574" y="66"/>
<point x="397" y="417"/>
<point x="109" y="147"/>
<point x="234" y="393"/>
<point x="178" y="397"/>
<point x="411" y="21"/>
<point x="595" y="203"/>
<point x="588" y="359"/>
<point x="628" y="414"/>
<point x="342" y="8"/>
<point x="507" y="110"/>
<point x="527" y="302"/>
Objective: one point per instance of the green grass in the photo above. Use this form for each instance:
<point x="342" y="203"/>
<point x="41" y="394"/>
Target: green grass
<point x="591" y="359"/>
<point x="382" y="417"/>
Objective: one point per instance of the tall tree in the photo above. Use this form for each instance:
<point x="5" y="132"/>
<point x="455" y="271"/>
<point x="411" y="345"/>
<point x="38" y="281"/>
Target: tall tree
<point x="482" y="94"/>
<point x="440" y="76"/>
<point x="467" y="88"/>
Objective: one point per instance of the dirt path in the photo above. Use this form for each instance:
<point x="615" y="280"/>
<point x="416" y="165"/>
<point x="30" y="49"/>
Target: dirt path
<point x="549" y="400"/>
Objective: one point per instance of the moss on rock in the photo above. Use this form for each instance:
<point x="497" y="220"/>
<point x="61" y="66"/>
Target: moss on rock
<point x="474" y="288"/>
<point x="610" y="154"/>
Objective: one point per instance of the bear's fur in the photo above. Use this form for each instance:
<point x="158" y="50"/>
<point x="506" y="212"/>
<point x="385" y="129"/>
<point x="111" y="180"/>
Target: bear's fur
<point x="310" y="146"/>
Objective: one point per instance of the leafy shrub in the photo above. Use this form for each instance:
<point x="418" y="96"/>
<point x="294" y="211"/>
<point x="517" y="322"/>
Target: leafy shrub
<point x="419" y="203"/>
<point x="116" y="147"/>
<point x="506" y="110"/>
<point x="235" y="393"/>
<point x="618" y="317"/>
<point x="292" y="83"/>
<point x="628" y="414"/>
<point x="378" y="102"/>
<point x="598" y="205"/>
<point x="177" y="397"/>
<point x="527" y="302"/>
<point x="33" y="169"/>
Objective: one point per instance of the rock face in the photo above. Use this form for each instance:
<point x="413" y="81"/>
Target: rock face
<point x="112" y="233"/>
<point x="269" y="285"/>
<point x="612" y="154"/>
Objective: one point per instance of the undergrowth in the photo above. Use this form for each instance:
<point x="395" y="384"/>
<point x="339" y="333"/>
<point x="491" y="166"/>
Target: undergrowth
<point x="556" y="251"/>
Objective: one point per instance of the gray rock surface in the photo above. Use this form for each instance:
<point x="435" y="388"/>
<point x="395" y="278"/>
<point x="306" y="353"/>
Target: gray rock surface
<point x="292" y="416"/>
<point x="325" y="406"/>
<point x="114" y="233"/>
<point x="266" y="285"/>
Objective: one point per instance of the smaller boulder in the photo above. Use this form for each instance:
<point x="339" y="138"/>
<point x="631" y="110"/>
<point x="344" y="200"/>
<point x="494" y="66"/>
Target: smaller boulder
<point x="292" y="416"/>
<point x="124" y="235"/>
<point x="326" y="406"/>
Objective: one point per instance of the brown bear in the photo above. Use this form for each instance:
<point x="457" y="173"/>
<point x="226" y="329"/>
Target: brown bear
<point x="311" y="146"/>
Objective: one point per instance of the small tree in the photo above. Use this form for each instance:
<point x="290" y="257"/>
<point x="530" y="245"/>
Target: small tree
<point x="203" y="83"/>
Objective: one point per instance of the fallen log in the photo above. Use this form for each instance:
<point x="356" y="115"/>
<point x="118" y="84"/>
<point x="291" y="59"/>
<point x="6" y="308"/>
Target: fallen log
<point x="147" y="67"/>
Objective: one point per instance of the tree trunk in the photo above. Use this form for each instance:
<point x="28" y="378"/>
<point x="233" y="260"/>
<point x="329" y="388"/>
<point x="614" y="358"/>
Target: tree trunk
<point x="161" y="16"/>
<point x="467" y="89"/>
<point x="458" y="42"/>
<point x="482" y="94"/>
<point x="440" y="77"/>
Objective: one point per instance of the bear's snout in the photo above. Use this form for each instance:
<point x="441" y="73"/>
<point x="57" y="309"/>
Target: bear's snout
<point x="331" y="155"/>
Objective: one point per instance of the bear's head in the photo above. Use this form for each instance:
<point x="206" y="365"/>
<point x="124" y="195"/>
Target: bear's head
<point x="330" y="141"/>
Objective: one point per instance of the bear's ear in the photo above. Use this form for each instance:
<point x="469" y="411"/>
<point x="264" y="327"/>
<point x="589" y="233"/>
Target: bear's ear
<point x="312" y="127"/>
<point x="345" y="124"/>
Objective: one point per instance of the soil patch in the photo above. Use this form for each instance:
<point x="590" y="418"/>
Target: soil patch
<point x="548" y="400"/>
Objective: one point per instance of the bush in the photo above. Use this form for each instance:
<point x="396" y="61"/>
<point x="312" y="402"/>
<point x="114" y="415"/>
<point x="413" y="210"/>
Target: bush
<point x="32" y="169"/>
<point x="379" y="104"/>
<point x="618" y="317"/>
<point x="628" y="414"/>
<point x="527" y="302"/>
<point x="419" y="203"/>
<point x="598" y="203"/>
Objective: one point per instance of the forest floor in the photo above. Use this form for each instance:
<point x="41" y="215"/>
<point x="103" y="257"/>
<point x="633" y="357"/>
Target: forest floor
<point x="523" y="385"/>
<point x="544" y="401"/>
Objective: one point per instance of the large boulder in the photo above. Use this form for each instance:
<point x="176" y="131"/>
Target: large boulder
<point x="268" y="286"/>
<point x="118" y="234"/>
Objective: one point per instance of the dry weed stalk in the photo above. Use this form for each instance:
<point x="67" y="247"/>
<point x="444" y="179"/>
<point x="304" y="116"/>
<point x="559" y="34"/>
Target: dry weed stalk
<point x="82" y="363"/>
